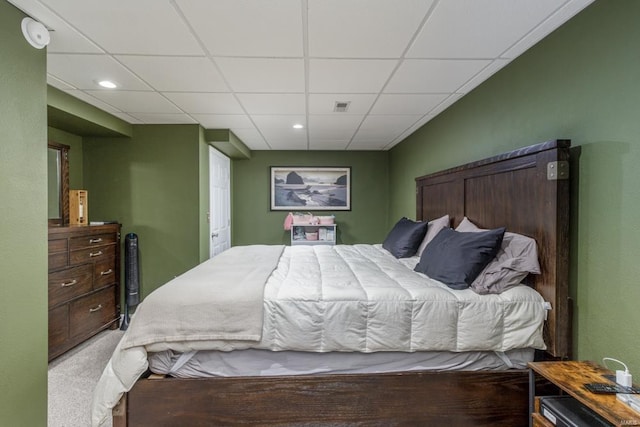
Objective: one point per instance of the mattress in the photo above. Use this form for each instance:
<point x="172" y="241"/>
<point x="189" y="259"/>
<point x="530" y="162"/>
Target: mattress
<point x="205" y="364"/>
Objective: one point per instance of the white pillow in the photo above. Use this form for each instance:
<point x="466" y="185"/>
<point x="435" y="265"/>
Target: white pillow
<point x="517" y="257"/>
<point x="433" y="228"/>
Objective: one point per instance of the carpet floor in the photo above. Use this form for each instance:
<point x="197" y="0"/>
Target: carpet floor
<point x="73" y="376"/>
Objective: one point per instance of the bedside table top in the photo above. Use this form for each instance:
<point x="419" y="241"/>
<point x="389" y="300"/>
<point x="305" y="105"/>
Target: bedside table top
<point x="571" y="376"/>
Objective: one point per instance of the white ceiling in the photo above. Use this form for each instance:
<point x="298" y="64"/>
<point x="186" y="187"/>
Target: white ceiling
<point x="259" y="66"/>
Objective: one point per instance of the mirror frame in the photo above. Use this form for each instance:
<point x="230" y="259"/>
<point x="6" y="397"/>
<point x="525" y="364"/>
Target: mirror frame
<point x="63" y="191"/>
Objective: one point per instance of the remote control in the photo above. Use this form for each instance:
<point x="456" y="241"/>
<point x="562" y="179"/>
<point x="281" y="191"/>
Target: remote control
<point x="605" y="388"/>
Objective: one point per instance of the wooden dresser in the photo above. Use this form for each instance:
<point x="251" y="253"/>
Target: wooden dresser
<point x="84" y="283"/>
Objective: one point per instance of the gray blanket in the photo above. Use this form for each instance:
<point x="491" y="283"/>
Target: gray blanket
<point x="220" y="299"/>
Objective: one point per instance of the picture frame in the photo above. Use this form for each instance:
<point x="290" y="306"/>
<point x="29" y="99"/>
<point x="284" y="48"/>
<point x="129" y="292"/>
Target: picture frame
<point x="310" y="188"/>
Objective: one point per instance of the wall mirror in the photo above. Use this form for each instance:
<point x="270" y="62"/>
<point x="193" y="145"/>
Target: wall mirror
<point x="58" y="183"/>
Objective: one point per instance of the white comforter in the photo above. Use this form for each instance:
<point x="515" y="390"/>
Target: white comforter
<point x="338" y="298"/>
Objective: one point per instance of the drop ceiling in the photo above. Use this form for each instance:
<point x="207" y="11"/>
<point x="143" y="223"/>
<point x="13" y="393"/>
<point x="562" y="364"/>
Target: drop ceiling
<point x="257" y="67"/>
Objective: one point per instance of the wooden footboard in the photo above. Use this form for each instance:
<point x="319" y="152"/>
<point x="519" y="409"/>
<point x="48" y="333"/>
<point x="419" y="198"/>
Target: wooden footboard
<point x="409" y="398"/>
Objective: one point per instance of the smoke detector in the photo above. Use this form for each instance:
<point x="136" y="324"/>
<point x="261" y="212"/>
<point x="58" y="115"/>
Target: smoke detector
<point x="341" y="106"/>
<point x="35" y="33"/>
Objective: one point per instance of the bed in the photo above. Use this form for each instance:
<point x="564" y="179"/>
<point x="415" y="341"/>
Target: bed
<point x="526" y="191"/>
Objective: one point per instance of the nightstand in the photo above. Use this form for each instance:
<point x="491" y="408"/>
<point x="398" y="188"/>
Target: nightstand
<point x="570" y="377"/>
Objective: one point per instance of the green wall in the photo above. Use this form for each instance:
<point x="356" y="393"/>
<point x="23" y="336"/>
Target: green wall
<point x="580" y="83"/>
<point x="151" y="184"/>
<point x="253" y="222"/>
<point x="23" y="251"/>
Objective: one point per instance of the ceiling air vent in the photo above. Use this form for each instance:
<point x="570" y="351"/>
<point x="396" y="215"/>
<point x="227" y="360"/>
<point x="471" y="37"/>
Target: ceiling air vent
<point x="341" y="106"/>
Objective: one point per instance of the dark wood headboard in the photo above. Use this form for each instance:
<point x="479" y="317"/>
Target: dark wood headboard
<point x="526" y="191"/>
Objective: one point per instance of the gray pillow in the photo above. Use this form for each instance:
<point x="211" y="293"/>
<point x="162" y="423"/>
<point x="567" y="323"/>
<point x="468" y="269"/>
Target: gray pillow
<point x="432" y="231"/>
<point x="516" y="258"/>
<point x="456" y="258"/>
<point x="405" y="237"/>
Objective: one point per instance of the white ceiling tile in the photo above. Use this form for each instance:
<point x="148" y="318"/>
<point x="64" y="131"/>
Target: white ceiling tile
<point x="284" y="141"/>
<point x="333" y="127"/>
<point x="325" y="103"/>
<point x="136" y="102"/>
<point x="273" y="103"/>
<point x="149" y="27"/>
<point x="407" y="103"/>
<point x="363" y="28"/>
<point x="247" y="28"/>
<point x="445" y="104"/>
<point x="433" y="76"/>
<point x="478" y="29"/>
<point x="386" y="126"/>
<point x="129" y="119"/>
<point x="546" y="27"/>
<point x="349" y="75"/>
<point x="224" y="121"/>
<point x="251" y="138"/>
<point x="205" y="103"/>
<point x="368" y="144"/>
<point x="57" y="83"/>
<point x="409" y="130"/>
<point x="92" y="100"/>
<point x="279" y="132"/>
<point x="483" y="75"/>
<point x="285" y="122"/>
<point x="164" y="118"/>
<point x="85" y="71"/>
<point x="323" y="144"/>
<point x="64" y="38"/>
<point x="176" y="73"/>
<point x="260" y="75"/>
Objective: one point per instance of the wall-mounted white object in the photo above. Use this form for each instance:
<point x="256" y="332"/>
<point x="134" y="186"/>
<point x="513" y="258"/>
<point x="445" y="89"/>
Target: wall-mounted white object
<point x="35" y="32"/>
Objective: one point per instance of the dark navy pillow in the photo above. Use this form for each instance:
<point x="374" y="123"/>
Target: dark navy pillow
<point x="405" y="237"/>
<point x="457" y="258"/>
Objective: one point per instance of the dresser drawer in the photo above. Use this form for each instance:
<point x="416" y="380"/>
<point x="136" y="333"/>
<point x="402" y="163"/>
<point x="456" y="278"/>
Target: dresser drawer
<point x="92" y="240"/>
<point x="58" y="327"/>
<point x="58" y="260"/>
<point x="92" y="312"/>
<point x="70" y="283"/>
<point x="58" y="253"/>
<point x="94" y="255"/>
<point x="104" y="273"/>
<point x="58" y="245"/>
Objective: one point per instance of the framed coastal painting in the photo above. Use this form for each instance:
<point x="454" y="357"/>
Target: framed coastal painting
<point x="310" y="188"/>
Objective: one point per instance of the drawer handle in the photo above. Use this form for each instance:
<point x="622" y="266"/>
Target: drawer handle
<point x="92" y="254"/>
<point x="98" y="240"/>
<point x="71" y="283"/>
<point x="104" y="273"/>
<point x="93" y="310"/>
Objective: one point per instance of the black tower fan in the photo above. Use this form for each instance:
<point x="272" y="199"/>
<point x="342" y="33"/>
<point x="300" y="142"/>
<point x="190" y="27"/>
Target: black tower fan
<point x="131" y="277"/>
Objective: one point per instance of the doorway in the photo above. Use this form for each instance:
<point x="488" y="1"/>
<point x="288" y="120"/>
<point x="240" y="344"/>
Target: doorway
<point x="219" y="202"/>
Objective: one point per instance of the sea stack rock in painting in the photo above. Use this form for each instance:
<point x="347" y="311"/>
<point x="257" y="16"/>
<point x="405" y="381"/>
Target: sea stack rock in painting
<point x="342" y="180"/>
<point x="294" y="178"/>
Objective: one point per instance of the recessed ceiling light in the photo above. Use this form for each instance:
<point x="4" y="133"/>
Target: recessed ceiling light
<point x="108" y="84"/>
<point x="298" y="126"/>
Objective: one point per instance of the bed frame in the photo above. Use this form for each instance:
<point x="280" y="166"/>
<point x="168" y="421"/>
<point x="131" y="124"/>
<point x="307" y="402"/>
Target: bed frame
<point x="526" y="190"/>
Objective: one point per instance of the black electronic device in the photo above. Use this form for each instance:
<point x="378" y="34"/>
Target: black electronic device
<point x="565" y="411"/>
<point x="610" y="388"/>
<point x="131" y="277"/>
